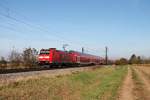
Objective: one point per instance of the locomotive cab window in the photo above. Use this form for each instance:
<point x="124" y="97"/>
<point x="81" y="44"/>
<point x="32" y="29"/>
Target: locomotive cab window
<point x="44" y="52"/>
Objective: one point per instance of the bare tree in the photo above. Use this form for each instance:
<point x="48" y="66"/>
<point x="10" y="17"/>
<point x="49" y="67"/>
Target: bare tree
<point x="15" y="58"/>
<point x="30" y="57"/>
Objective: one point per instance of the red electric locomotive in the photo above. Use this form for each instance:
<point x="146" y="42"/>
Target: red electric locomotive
<point x="57" y="57"/>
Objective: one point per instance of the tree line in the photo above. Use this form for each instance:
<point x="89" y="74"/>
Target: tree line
<point x="133" y="60"/>
<point x="27" y="58"/>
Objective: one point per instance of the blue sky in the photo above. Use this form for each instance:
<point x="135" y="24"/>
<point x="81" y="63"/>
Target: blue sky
<point x="122" y="25"/>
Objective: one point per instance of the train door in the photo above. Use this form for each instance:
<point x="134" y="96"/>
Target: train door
<point x="78" y="59"/>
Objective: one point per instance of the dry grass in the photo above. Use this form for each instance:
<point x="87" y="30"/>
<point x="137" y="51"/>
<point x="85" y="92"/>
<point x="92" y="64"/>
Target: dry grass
<point x="140" y="91"/>
<point x="96" y="84"/>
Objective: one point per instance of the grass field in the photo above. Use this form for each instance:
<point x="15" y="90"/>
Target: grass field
<point x="97" y="84"/>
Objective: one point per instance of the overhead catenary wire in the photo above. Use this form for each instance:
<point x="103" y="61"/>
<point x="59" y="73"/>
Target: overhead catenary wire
<point x="23" y="22"/>
<point x="35" y="26"/>
<point x="19" y="21"/>
<point x="38" y="27"/>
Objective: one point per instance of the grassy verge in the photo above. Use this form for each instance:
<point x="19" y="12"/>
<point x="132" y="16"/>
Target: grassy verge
<point x="97" y="84"/>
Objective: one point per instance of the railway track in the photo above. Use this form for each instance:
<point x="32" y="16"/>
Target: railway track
<point x="30" y="73"/>
<point x="6" y="71"/>
<point x="38" y="68"/>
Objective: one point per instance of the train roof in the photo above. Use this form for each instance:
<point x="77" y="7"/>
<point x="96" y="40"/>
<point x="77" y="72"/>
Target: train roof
<point x="72" y="51"/>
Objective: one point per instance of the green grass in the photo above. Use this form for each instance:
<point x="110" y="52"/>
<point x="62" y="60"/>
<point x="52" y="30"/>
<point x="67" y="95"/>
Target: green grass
<point x="102" y="83"/>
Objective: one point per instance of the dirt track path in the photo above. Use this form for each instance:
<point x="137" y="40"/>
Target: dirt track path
<point x="145" y="81"/>
<point x="126" y="92"/>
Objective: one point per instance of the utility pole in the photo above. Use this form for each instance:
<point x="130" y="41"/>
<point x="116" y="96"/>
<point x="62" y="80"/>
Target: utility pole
<point x="82" y="49"/>
<point x="106" y="55"/>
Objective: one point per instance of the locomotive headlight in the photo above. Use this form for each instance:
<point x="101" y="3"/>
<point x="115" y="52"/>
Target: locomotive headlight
<point x="40" y="56"/>
<point x="46" y="57"/>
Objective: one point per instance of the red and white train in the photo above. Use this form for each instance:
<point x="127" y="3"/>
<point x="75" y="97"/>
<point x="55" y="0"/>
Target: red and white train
<point x="60" y="58"/>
